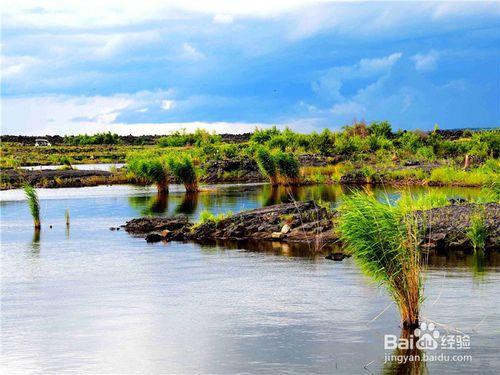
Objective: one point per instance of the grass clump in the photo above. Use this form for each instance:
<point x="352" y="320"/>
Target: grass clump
<point x="384" y="241"/>
<point x="150" y="169"/>
<point x="183" y="169"/>
<point x="425" y="201"/>
<point x="207" y="216"/>
<point x="34" y="204"/>
<point x="477" y="232"/>
<point x="267" y="165"/>
<point x="289" y="168"/>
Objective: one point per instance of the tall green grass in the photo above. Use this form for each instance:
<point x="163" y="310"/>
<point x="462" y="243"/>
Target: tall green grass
<point x="477" y="232"/>
<point x="484" y="175"/>
<point x="424" y="201"/>
<point x="289" y="168"/>
<point x="384" y="241"/>
<point x="149" y="168"/>
<point x="267" y="165"/>
<point x="184" y="170"/>
<point x="34" y="204"/>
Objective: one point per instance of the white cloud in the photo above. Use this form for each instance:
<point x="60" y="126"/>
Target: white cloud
<point x="330" y="84"/>
<point x="41" y="115"/>
<point x="167" y="105"/>
<point x="350" y="108"/>
<point x="223" y="18"/>
<point x="189" y="52"/>
<point x="15" y="66"/>
<point x="426" y="62"/>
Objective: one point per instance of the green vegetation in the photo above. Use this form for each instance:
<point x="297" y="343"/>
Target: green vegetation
<point x="96" y="139"/>
<point x="267" y="165"/>
<point x="423" y="201"/>
<point x="183" y="169"/>
<point x="207" y="216"/>
<point x="150" y="169"/>
<point x="278" y="166"/>
<point x="476" y="233"/>
<point x="181" y="138"/>
<point x="384" y="241"/>
<point x="34" y="204"/>
<point x="358" y="153"/>
<point x="289" y="168"/>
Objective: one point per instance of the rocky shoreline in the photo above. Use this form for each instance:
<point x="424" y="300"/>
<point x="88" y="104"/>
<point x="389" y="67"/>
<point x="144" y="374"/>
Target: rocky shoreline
<point x="56" y="178"/>
<point x="312" y="225"/>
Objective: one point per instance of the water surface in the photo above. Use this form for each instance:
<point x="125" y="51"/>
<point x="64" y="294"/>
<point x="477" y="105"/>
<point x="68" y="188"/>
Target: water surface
<point x="90" y="300"/>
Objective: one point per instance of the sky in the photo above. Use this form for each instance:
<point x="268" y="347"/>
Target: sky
<point x="149" y="67"/>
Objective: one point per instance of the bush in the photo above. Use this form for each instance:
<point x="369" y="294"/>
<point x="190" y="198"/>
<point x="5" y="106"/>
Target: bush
<point x="182" y="138"/>
<point x="325" y="142"/>
<point x="96" y="139"/>
<point x="380" y="129"/>
<point x="261" y="136"/>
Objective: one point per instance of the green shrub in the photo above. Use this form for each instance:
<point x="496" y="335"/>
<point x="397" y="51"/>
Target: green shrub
<point x="380" y="129"/>
<point x="261" y="136"/>
<point x="96" y="139"/>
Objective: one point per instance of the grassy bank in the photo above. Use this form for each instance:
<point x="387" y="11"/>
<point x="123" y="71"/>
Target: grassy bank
<point x="357" y="154"/>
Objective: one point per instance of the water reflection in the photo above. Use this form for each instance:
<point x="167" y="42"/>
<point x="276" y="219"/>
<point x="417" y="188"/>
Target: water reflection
<point x="406" y="361"/>
<point x="188" y="204"/>
<point x="150" y="205"/>
<point x="35" y="242"/>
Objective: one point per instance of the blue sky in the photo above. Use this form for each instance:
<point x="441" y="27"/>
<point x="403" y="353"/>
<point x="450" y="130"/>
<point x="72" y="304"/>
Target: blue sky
<point x="153" y="67"/>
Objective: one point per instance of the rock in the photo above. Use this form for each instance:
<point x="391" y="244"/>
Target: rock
<point x="443" y="228"/>
<point x="277" y="235"/>
<point x="285" y="229"/>
<point x="335" y="256"/>
<point x="457" y="200"/>
<point x="154" y="237"/>
<point x="156" y="224"/>
<point x="411" y="163"/>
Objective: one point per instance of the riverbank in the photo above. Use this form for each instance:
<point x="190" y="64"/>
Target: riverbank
<point x="314" y="169"/>
<point x="313" y="225"/>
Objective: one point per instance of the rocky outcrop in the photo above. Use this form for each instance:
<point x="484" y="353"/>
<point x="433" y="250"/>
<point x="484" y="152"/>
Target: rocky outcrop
<point x="301" y="222"/>
<point x="51" y="178"/>
<point x="445" y="228"/>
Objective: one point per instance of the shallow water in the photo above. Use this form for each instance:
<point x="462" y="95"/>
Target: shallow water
<point x="91" y="167"/>
<point x="90" y="300"/>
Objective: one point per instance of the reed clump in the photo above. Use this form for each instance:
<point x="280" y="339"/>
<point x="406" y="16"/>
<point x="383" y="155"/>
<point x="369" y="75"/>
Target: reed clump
<point x="289" y="168"/>
<point x="267" y="165"/>
<point x="477" y="231"/>
<point x="34" y="204"/>
<point x="150" y="169"/>
<point x="184" y="170"/>
<point x="384" y="241"/>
